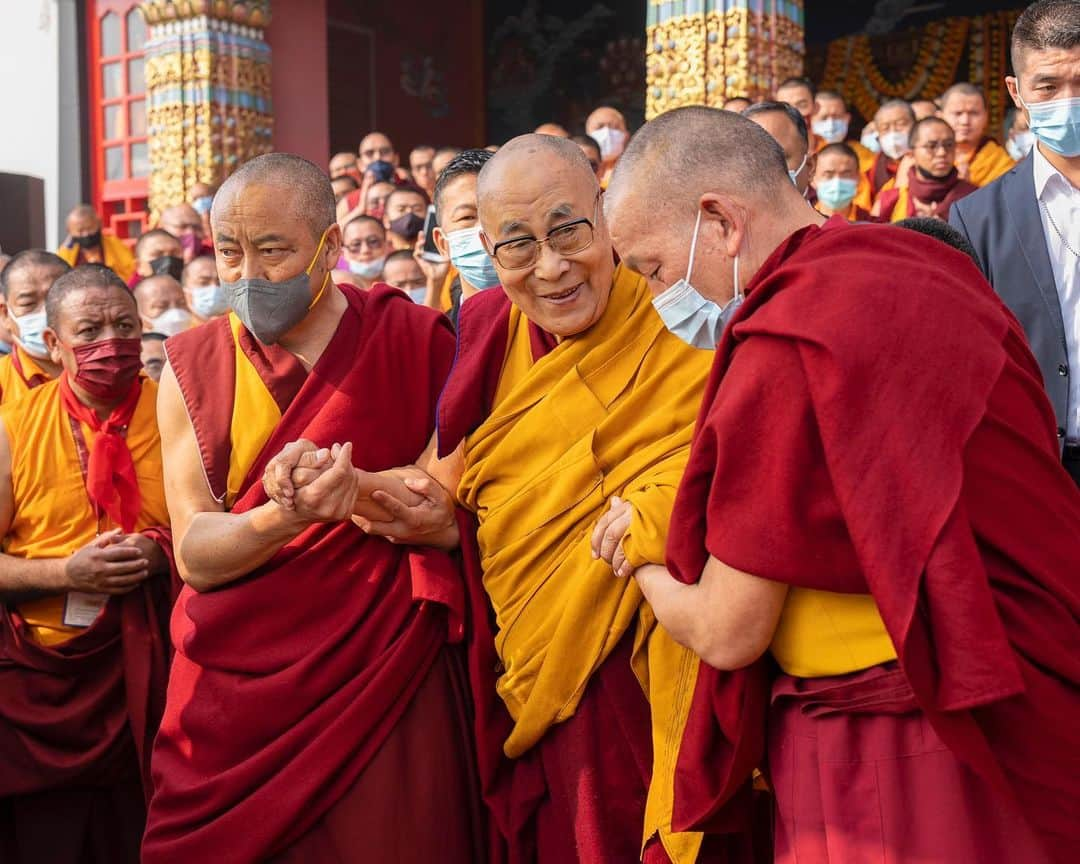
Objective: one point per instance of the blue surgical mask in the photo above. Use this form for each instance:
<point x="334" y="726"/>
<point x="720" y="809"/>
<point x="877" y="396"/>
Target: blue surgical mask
<point x="468" y="255"/>
<point x="202" y="204"/>
<point x="31" y="326"/>
<point x="208" y="301"/>
<point x="832" y="129"/>
<point x="698" y="321"/>
<point x="1056" y="124"/>
<point x="368" y="269"/>
<point x="869" y="140"/>
<point x="418" y="295"/>
<point x="837" y="193"/>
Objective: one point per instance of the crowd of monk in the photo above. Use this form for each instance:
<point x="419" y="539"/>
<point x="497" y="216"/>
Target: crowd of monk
<point x="651" y="508"/>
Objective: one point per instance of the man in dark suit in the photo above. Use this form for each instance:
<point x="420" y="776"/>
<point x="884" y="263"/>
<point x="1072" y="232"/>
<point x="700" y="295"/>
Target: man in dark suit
<point x="1025" y="227"/>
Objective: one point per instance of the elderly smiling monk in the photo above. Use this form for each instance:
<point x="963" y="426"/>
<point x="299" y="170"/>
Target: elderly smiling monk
<point x="314" y="712"/>
<point x="84" y="583"/>
<point x="875" y="498"/>
<point x="565" y="423"/>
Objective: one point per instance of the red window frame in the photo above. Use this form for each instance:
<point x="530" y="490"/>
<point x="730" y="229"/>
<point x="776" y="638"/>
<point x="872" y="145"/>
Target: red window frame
<point x="122" y="202"/>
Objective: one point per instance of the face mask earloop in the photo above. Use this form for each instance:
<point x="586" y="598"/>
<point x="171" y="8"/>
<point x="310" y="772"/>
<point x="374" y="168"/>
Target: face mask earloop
<point x="693" y="246"/>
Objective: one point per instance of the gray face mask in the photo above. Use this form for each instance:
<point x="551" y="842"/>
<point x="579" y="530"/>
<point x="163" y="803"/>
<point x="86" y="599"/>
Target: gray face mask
<point x="268" y="309"/>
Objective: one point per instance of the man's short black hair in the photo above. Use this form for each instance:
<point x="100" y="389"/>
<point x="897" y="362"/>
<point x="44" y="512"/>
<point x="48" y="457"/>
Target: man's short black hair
<point x="773" y="107"/>
<point x="940" y="230"/>
<point x="1045" y="24"/>
<point x="466" y="162"/>
<point x="31" y="258"/>
<point x="154" y="232"/>
<point x="798" y="81"/>
<point x="83" y="276"/>
<point x="399" y="255"/>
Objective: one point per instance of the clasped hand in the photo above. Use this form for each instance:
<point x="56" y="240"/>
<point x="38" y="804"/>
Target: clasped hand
<point x="608" y="536"/>
<point x="403" y="505"/>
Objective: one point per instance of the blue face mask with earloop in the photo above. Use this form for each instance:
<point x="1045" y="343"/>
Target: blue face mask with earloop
<point x="697" y="320"/>
<point x="1056" y="124"/>
<point x="471" y="259"/>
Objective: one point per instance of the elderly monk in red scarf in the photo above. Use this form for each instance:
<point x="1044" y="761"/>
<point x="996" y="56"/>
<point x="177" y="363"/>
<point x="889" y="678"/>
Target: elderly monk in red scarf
<point x="875" y="498"/>
<point x="314" y="711"/>
<point x="566" y="423"/>
<point x="84" y="582"/>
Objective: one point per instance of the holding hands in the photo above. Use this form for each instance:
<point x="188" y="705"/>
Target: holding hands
<point x="607" y="538"/>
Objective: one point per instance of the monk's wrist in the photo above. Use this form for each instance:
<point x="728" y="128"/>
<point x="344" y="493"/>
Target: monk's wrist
<point x="273" y="522"/>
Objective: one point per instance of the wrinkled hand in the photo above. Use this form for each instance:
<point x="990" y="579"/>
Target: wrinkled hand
<point x="278" y="480"/>
<point x="330" y="496"/>
<point x="108" y="564"/>
<point x="158" y="563"/>
<point x="421" y="514"/>
<point x="607" y="538"/>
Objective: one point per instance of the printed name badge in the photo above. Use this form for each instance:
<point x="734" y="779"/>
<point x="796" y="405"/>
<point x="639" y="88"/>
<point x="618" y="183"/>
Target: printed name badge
<point x="82" y="609"/>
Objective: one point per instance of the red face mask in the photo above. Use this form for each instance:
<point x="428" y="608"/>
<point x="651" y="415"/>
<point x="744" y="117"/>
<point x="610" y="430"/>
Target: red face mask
<point x="107" y="369"/>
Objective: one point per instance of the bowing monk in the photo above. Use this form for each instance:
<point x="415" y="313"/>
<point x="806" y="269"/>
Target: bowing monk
<point x="315" y="710"/>
<point x="24" y="282"/>
<point x="875" y="498"/>
<point x="565" y="421"/>
<point x="84" y="586"/>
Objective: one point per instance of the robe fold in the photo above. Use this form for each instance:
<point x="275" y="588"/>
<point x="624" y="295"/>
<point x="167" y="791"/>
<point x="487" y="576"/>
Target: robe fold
<point x="19" y="374"/>
<point x="79" y="707"/>
<point x="989" y="161"/>
<point x="289" y="684"/>
<point x="894" y="439"/>
<point x="551" y="432"/>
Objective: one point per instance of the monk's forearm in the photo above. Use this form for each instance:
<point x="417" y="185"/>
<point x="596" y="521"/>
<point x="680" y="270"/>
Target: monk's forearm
<point x="219" y="548"/>
<point x="728" y="618"/>
<point x="23" y="579"/>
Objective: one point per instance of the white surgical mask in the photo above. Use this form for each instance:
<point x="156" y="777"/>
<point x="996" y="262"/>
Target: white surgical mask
<point x="611" y="141"/>
<point x="894" y="144"/>
<point x="170" y="322"/>
<point x="368" y="269"/>
<point x="832" y="129"/>
<point x="698" y="321"/>
<point x="209" y="301"/>
<point x="869" y="140"/>
<point x="1020" y="145"/>
<point x="31" y="326"/>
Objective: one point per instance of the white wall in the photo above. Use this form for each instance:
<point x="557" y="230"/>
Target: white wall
<point x="39" y="100"/>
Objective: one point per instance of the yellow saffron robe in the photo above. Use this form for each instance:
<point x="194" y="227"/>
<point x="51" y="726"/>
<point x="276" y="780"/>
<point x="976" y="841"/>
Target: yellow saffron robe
<point x="609" y="412"/>
<point x="988" y="163"/>
<point x="13" y="385"/>
<point x="53" y="517"/>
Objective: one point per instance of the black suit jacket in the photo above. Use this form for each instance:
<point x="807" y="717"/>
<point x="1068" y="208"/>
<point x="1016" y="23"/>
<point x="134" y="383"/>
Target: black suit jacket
<point x="1002" y="221"/>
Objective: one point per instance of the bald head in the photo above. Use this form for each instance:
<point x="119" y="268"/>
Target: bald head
<point x="674" y="154"/>
<point x="517" y="153"/>
<point x="306" y="193"/>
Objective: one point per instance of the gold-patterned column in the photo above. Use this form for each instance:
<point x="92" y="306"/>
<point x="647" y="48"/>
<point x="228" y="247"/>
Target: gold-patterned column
<point x="208" y="92"/>
<point x="702" y="52"/>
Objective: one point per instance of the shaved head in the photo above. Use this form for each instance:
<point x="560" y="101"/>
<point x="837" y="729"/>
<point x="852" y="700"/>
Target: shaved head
<point x="552" y="129"/>
<point x="682" y="147"/>
<point x="961" y="88"/>
<point x="306" y="190"/>
<point x="492" y="175"/>
<point x="703" y="173"/>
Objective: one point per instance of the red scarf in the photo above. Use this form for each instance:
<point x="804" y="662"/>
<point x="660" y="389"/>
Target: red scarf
<point x="942" y="191"/>
<point x="110" y="471"/>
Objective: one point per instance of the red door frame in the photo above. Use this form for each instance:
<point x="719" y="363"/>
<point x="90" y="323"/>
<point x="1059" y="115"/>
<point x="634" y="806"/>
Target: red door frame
<point x="121" y="203"/>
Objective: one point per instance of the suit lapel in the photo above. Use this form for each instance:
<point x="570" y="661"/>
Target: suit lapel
<point x="1019" y="193"/>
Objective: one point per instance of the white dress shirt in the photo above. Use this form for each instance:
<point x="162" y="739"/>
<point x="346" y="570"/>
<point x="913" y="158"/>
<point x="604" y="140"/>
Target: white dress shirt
<point x="1059" y="209"/>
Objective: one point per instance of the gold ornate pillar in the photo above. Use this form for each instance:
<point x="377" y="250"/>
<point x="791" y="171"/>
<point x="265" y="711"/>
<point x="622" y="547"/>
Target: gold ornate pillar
<point x="208" y="92"/>
<point x="701" y="52"/>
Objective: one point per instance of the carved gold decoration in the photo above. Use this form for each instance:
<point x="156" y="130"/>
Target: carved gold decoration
<point x="724" y="49"/>
<point x="208" y="93"/>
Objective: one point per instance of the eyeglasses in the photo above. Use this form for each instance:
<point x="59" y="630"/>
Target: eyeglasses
<point x="377" y="153"/>
<point x="566" y="239"/>
<point x="357" y="246"/>
<point x="934" y="146"/>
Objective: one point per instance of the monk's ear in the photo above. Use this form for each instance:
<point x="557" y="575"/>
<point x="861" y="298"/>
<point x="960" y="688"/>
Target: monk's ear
<point x="1013" y="85"/>
<point x="488" y="247"/>
<point x="725" y="219"/>
<point x="438" y="237"/>
<point x="332" y="246"/>
<point x="52" y="342"/>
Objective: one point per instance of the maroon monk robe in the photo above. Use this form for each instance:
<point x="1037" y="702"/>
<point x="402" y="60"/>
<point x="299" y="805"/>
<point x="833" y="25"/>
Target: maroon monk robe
<point x="77" y="721"/>
<point x="588" y="776"/>
<point x="317" y="698"/>
<point x="894" y="439"/>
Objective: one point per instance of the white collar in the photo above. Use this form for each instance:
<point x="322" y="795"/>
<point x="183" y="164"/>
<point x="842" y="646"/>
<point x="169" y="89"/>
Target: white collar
<point x="1043" y="172"/>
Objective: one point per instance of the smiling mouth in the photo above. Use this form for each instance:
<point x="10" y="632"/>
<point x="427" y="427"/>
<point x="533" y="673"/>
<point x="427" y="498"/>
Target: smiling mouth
<point x="562" y="296"/>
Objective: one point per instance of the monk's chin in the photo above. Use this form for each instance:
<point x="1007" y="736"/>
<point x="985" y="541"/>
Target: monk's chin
<point x="568" y="313"/>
